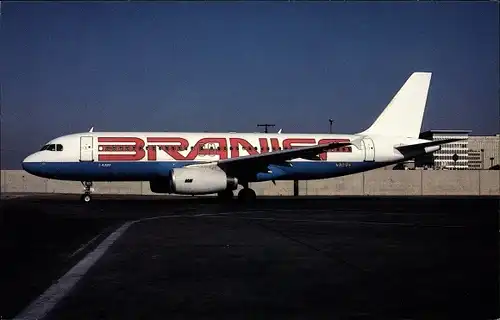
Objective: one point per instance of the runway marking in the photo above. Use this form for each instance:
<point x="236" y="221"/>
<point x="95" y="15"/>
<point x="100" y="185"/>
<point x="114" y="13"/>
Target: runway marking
<point x="85" y="245"/>
<point x="39" y="308"/>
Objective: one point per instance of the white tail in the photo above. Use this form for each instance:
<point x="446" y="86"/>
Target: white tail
<point x="403" y="115"/>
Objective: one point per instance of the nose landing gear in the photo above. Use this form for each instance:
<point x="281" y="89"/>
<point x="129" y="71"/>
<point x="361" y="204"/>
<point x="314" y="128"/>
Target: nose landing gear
<point x="86" y="196"/>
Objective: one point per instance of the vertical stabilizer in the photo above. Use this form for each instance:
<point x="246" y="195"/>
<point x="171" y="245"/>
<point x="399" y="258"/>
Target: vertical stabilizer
<point x="403" y="115"/>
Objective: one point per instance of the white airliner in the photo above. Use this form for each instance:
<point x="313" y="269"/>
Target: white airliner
<point x="209" y="163"/>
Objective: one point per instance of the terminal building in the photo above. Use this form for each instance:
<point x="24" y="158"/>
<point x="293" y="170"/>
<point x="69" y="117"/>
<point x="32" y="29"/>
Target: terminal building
<point x="484" y="151"/>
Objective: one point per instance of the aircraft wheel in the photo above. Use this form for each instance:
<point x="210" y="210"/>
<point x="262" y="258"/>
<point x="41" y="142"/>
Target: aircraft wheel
<point x="86" y="197"/>
<point x="247" y="194"/>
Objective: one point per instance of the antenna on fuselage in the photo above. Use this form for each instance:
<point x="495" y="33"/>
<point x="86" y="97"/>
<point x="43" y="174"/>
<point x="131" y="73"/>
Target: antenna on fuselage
<point x="279" y="132"/>
<point x="91" y="129"/>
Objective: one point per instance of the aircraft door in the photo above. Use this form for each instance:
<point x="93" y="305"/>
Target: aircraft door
<point x="87" y="148"/>
<point x="369" y="147"/>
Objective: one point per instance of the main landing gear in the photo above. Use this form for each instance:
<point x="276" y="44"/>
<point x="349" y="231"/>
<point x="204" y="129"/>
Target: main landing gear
<point x="86" y="196"/>
<point x="245" y="194"/>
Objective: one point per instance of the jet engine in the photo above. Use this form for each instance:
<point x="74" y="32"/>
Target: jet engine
<point x="194" y="181"/>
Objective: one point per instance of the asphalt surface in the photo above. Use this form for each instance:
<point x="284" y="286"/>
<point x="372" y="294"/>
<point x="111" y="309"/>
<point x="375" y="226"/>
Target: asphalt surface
<point x="155" y="257"/>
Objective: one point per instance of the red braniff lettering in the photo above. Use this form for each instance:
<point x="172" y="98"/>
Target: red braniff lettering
<point x="264" y="145"/>
<point x="133" y="148"/>
<point x="169" y="145"/>
<point x="323" y="156"/>
<point x="275" y="144"/>
<point x="208" y="147"/>
<point x="291" y="143"/>
<point x="235" y="144"/>
<point x="133" y="144"/>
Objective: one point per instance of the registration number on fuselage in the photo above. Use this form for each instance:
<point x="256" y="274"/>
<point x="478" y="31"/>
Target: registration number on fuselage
<point x="343" y="164"/>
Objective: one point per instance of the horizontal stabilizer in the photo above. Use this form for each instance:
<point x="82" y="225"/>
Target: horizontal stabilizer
<point x="414" y="147"/>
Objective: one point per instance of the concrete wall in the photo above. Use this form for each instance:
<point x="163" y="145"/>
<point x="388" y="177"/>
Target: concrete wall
<point x="458" y="182"/>
<point x="489" y="182"/>
<point x="347" y="185"/>
<point x="377" y="182"/>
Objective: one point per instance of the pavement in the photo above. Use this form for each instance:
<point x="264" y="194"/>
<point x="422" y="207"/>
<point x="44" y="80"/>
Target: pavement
<point x="123" y="257"/>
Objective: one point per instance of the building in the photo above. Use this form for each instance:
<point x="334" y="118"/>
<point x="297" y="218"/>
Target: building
<point x="443" y="159"/>
<point x="475" y="160"/>
<point x="484" y="151"/>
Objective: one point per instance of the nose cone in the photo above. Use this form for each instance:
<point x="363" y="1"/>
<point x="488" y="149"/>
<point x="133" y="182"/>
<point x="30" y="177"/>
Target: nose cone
<point x="29" y="164"/>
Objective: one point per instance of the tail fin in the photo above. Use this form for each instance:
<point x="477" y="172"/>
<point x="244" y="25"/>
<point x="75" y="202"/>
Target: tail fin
<point x="403" y="115"/>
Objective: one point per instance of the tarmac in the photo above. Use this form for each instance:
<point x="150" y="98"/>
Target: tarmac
<point x="149" y="257"/>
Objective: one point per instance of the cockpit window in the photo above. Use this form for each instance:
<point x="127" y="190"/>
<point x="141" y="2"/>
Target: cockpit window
<point x="52" y="147"/>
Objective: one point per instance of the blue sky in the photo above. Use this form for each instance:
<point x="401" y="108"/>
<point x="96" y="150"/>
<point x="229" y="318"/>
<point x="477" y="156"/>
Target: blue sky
<point x="226" y="66"/>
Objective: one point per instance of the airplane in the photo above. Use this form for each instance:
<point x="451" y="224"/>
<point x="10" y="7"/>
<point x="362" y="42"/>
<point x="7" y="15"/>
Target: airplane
<point x="190" y="163"/>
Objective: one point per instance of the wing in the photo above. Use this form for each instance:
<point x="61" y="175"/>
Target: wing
<point x="417" y="147"/>
<point x="260" y="162"/>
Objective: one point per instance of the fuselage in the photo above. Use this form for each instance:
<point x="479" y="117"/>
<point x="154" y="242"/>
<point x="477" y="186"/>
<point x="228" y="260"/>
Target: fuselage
<point x="146" y="156"/>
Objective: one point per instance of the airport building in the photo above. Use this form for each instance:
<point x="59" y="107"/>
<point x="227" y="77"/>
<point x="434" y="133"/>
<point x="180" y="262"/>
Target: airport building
<point x="484" y="151"/>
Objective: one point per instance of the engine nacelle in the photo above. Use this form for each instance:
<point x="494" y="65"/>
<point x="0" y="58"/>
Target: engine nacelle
<point x="194" y="181"/>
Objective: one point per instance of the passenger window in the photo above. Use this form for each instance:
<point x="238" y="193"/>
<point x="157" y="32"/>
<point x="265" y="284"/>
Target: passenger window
<point x="59" y="147"/>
